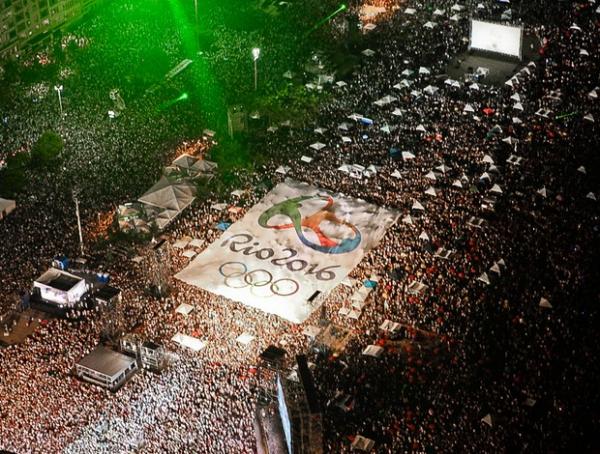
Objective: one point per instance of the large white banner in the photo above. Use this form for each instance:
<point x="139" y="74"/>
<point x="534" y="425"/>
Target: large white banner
<point x="492" y="37"/>
<point x="295" y="244"/>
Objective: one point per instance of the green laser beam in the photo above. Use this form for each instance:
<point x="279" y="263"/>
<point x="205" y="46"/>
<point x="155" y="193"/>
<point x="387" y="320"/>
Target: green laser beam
<point x="341" y="8"/>
<point x="565" y="115"/>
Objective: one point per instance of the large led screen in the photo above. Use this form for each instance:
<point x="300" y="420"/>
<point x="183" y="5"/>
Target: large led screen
<point x="502" y="39"/>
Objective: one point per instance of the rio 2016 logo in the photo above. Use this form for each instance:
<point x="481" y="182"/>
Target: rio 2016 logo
<point x="290" y="208"/>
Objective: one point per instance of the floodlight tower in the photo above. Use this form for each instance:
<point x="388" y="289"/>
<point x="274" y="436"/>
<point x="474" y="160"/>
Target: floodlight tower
<point x="255" y="57"/>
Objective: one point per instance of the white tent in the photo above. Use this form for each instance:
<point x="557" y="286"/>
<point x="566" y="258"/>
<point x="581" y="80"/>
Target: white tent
<point x="496" y="188"/>
<point x="184" y="309"/>
<point x="418" y="206"/>
<point x="431" y="175"/>
<point x="431" y="191"/>
<point x="443" y="168"/>
<point x="362" y="443"/>
<point x="484" y="278"/>
<point x="430" y="90"/>
<point x="487" y="419"/>
<point x="6" y="206"/>
<point x="373" y="350"/>
<point x="175" y="196"/>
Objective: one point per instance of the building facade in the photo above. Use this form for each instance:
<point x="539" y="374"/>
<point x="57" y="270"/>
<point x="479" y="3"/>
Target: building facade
<point x="26" y="24"/>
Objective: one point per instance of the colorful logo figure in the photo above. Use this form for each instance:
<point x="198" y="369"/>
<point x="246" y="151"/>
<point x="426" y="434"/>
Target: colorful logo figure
<point x="291" y="209"/>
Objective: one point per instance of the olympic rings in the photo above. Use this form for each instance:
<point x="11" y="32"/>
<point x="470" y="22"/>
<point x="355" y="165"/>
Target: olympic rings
<point x="237" y="276"/>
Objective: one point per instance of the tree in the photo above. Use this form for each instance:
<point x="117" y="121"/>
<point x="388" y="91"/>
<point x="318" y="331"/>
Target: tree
<point x="46" y="149"/>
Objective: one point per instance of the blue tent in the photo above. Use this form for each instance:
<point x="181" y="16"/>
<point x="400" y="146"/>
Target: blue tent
<point x="369" y="283"/>
<point x="223" y="225"/>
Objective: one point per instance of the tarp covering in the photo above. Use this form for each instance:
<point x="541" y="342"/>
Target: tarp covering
<point x="297" y="242"/>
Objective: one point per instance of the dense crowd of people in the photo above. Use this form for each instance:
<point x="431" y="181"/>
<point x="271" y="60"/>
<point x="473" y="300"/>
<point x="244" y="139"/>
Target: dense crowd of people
<point x="513" y="202"/>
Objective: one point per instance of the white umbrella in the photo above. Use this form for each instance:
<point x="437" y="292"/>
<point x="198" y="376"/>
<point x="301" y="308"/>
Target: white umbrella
<point x="468" y="108"/>
<point x="487" y="158"/>
<point x="429" y="25"/>
<point x="575" y="27"/>
<point x="346" y="139"/>
<point x="591" y="196"/>
<point x="341" y="83"/>
<point x="344" y="168"/>
<point x="543" y="192"/>
<point x="368" y="52"/>
<point x="407" y="72"/>
<point x="282" y="170"/>
<point x="438" y="12"/>
<point x="510" y="140"/>
<point x="584" y="52"/>
<point x="455" y="18"/>
<point x="320" y="130"/>
<point x="516" y="97"/>
<point x="406" y="155"/>
<point x="518" y="106"/>
<point x="457" y="7"/>
<point x="396" y="174"/>
<point x="485" y="176"/>
<point x="354" y="117"/>
<point x="424" y="70"/>
<point x="589" y="117"/>
<point x="397" y="112"/>
<point x="593" y="94"/>
<point x="443" y="168"/>
<point x="288" y="74"/>
<point x="343" y="126"/>
<point x="474" y="86"/>
<point x="385" y="128"/>
<point x="423" y="236"/>
<point x="272" y="128"/>
<point x="415" y="93"/>
<point x="457" y="184"/>
<point x="410" y="11"/>
<point x="420" y="128"/>
<point x="517" y="120"/>
<point x="407" y="219"/>
<point x="581" y="169"/>
<point x="545" y="303"/>
<point x="317" y="146"/>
